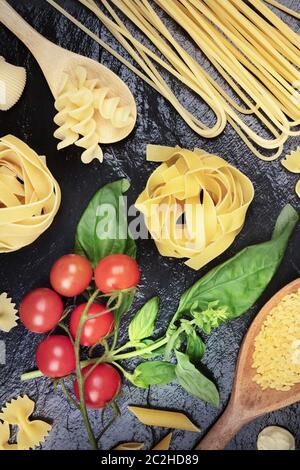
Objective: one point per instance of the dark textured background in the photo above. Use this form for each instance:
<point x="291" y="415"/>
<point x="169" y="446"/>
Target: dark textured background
<point x="32" y="120"/>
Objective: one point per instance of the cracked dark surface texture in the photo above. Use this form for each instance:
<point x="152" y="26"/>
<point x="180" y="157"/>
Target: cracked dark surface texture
<point x="32" y="120"/>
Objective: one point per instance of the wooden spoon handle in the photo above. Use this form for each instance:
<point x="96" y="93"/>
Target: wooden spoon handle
<point x="17" y="25"/>
<point x="223" y="431"/>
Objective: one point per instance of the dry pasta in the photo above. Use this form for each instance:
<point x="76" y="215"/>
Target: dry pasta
<point x="279" y="367"/>
<point x="12" y="84"/>
<point x="164" y="444"/>
<point x="8" y="313"/>
<point x="29" y="195"/>
<point x="81" y="104"/>
<point x="4" y="438"/>
<point x="278" y="5"/>
<point x="297" y="189"/>
<point x="292" y="161"/>
<point x="257" y="56"/>
<point x="163" y="418"/>
<point x="30" y="433"/>
<point x="194" y="204"/>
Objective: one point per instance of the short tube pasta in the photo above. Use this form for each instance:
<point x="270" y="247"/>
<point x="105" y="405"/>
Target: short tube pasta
<point x="163" y="418"/>
<point x="29" y="195"/>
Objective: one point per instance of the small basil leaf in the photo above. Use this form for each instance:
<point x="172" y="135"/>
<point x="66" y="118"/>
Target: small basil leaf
<point x="142" y="324"/>
<point x="174" y="342"/>
<point x="154" y="373"/>
<point x="157" y="352"/>
<point x="195" y="348"/>
<point x="126" y="303"/>
<point x="194" y="382"/>
<point x="103" y="227"/>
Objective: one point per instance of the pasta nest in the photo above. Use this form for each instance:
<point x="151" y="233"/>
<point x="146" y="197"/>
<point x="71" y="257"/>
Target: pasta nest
<point x="86" y="111"/>
<point x="194" y="204"/>
<point x="29" y="195"/>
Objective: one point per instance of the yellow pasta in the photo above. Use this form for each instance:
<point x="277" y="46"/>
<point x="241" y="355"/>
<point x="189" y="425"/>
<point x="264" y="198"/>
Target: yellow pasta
<point x="29" y="195"/>
<point x="292" y="161"/>
<point x="211" y="196"/>
<point x="8" y="313"/>
<point x="298" y="188"/>
<point x="12" y="84"/>
<point x="164" y="444"/>
<point x="276" y="356"/>
<point x="4" y="438"/>
<point x="163" y="418"/>
<point x="257" y="56"/>
<point x="129" y="446"/>
<point x="81" y="104"/>
<point x="30" y="433"/>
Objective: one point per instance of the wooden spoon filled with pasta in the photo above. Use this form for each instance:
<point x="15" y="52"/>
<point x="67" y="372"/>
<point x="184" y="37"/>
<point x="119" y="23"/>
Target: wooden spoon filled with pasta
<point x="94" y="106"/>
<point x="257" y="388"/>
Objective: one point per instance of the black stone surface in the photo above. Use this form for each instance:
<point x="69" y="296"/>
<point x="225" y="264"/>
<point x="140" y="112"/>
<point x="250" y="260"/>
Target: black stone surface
<point x="32" y="120"/>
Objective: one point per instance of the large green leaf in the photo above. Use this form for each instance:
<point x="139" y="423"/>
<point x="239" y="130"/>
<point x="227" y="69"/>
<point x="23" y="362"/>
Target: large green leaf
<point x="240" y="281"/>
<point x="103" y="227"/>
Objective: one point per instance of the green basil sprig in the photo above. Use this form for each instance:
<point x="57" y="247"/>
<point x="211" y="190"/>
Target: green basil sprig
<point x="240" y="281"/>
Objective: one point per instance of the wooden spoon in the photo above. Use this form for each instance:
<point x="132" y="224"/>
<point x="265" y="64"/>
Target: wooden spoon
<point x="248" y="400"/>
<point x="55" y="60"/>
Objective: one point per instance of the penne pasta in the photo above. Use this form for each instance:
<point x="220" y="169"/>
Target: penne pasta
<point x="163" y="418"/>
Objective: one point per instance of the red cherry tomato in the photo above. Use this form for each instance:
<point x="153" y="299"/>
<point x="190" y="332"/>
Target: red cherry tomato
<point x="41" y="310"/>
<point x="55" y="356"/>
<point x="71" y="275"/>
<point x="100" y="387"/>
<point x="116" y="272"/>
<point x="96" y="328"/>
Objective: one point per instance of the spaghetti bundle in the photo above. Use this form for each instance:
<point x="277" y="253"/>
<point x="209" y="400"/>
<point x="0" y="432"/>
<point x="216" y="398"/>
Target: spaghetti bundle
<point x="29" y="195"/>
<point x="194" y="204"/>
<point x="253" y="50"/>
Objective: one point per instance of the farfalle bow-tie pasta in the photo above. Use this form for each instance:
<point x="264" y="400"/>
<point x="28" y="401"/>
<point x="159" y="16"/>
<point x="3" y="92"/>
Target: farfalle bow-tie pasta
<point x="29" y="195"/>
<point x="30" y="433"/>
<point x="194" y="204"/>
<point x="86" y="114"/>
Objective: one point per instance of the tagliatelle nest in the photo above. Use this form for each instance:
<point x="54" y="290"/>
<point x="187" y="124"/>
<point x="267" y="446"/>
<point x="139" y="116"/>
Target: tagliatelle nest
<point x="194" y="204"/>
<point x="8" y="313"/>
<point x="29" y="195"/>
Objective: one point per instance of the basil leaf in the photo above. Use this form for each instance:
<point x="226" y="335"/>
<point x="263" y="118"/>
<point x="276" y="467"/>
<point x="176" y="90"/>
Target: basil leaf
<point x="157" y="352"/>
<point x="195" y="348"/>
<point x="103" y="227"/>
<point x="154" y="373"/>
<point x="240" y="281"/>
<point x="194" y="382"/>
<point x="174" y="342"/>
<point x="142" y="324"/>
<point x="127" y="301"/>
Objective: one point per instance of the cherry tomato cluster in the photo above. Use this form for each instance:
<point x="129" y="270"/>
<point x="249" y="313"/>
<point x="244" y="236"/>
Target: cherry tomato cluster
<point x="42" y="309"/>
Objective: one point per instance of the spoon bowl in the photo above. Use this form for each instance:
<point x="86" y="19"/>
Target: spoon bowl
<point x="248" y="400"/>
<point x="54" y="61"/>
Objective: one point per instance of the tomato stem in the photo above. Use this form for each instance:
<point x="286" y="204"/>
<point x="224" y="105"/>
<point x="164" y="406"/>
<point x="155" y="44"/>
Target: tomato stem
<point x="80" y="378"/>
